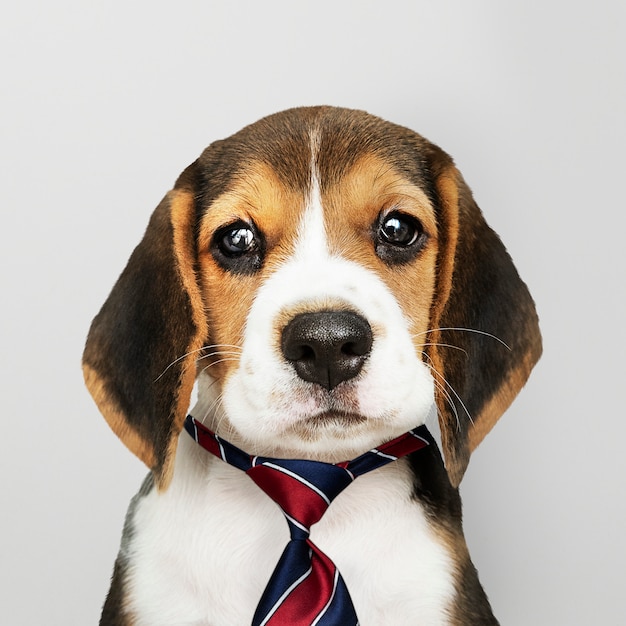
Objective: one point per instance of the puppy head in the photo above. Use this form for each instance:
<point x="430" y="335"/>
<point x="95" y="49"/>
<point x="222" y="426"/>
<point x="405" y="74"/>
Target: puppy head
<point x="328" y="276"/>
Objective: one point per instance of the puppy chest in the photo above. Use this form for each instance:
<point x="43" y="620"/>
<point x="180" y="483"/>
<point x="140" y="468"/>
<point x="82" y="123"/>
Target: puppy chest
<point x="229" y="543"/>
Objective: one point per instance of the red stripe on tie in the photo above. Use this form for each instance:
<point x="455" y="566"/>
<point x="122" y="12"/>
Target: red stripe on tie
<point x="310" y="597"/>
<point x="292" y="495"/>
<point x="208" y="442"/>
<point x="401" y="446"/>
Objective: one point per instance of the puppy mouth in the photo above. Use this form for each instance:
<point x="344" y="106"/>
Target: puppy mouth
<point x="331" y="436"/>
<point x="332" y="417"/>
<point x="338" y="425"/>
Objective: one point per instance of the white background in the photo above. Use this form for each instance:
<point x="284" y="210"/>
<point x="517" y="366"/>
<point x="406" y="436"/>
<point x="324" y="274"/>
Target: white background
<point x="103" y="104"/>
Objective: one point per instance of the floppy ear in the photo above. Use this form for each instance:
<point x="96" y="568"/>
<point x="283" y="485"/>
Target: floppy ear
<point x="485" y="311"/>
<point x="139" y="359"/>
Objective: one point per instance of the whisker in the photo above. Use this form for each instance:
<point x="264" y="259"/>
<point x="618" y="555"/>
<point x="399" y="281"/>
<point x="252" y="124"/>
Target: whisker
<point x="207" y="347"/>
<point x="449" y="400"/>
<point x="451" y="388"/>
<point x="219" y="352"/>
<point x="466" y="330"/>
<point x="222" y="345"/>
<point x="224" y="360"/>
<point x="441" y="387"/>
<point x="443" y="345"/>
<point x="180" y="358"/>
<point x="213" y="408"/>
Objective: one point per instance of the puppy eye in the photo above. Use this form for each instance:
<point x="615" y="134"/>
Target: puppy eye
<point x="238" y="248"/>
<point x="398" y="237"/>
<point x="399" y="230"/>
<point x="237" y="241"/>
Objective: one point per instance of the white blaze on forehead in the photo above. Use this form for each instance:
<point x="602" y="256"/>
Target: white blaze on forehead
<point x="312" y="239"/>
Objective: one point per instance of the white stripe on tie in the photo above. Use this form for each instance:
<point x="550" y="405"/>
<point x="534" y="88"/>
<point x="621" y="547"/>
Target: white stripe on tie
<point x="284" y="596"/>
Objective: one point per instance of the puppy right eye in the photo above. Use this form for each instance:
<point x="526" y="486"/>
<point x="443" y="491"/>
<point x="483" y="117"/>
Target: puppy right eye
<point x="238" y="248"/>
<point x="237" y="241"/>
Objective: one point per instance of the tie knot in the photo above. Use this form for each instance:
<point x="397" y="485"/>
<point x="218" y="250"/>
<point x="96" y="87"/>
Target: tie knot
<point x="302" y="489"/>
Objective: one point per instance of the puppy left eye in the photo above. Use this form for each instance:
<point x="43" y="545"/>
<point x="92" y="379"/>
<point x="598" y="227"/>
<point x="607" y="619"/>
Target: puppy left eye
<point x="399" y="230"/>
<point x="398" y="237"/>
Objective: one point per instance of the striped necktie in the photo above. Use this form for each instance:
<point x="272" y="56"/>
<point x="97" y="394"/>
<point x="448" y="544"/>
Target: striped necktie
<point x="305" y="589"/>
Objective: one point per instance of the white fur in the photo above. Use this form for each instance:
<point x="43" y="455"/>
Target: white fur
<point x="208" y="545"/>
<point x="204" y="550"/>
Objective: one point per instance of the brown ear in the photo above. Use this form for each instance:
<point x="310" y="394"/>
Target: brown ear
<point x="484" y="310"/>
<point x="139" y="360"/>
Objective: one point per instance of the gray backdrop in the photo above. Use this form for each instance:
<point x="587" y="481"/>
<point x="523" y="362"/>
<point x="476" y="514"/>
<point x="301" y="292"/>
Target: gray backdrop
<point x="103" y="104"/>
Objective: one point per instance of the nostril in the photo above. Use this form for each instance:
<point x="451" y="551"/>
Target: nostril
<point x="294" y="351"/>
<point x="357" y="348"/>
<point x="306" y="352"/>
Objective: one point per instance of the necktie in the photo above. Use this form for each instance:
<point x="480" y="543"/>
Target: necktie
<point x="306" y="588"/>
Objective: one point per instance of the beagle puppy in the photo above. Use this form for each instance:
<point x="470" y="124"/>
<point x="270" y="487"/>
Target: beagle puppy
<point x="327" y="281"/>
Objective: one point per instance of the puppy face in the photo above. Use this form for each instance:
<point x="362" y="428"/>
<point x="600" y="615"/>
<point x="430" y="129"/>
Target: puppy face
<point x="358" y="251"/>
<point x="329" y="277"/>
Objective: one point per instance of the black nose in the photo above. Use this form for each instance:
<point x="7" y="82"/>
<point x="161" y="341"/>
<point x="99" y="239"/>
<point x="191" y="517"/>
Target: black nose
<point x="327" y="347"/>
